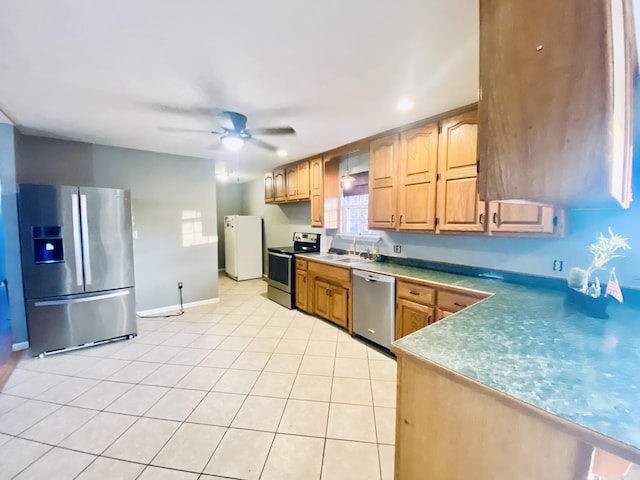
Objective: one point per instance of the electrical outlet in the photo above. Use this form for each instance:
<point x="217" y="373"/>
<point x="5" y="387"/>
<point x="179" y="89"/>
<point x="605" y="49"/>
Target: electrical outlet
<point x="397" y="248"/>
<point x="179" y="284"/>
<point x="557" y="265"/>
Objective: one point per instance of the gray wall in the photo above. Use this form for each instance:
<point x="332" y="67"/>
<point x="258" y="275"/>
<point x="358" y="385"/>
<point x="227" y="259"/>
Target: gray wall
<point x="229" y="201"/>
<point x="279" y="221"/>
<point x="11" y="258"/>
<point x="165" y="190"/>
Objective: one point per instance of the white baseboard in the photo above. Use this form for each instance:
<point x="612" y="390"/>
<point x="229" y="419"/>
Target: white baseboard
<point x="20" y="346"/>
<point x="173" y="308"/>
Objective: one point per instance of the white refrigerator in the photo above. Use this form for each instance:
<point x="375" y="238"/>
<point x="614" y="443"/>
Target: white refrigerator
<point x="242" y="247"/>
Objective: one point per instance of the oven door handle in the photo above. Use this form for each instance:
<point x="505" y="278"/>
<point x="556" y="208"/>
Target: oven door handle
<point x="283" y="255"/>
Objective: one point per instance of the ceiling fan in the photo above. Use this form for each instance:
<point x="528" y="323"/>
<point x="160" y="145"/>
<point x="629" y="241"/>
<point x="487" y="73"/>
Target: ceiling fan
<point x="235" y="133"/>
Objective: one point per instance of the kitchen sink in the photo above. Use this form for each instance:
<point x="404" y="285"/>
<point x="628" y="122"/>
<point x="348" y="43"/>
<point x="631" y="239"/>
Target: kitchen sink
<point x="330" y="256"/>
<point x="334" y="257"/>
<point x="352" y="260"/>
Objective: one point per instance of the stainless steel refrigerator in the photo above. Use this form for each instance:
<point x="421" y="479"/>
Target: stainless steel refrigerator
<point x="77" y="265"/>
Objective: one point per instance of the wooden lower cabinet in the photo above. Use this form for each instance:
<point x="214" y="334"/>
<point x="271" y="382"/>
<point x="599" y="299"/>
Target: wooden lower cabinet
<point x="331" y="302"/>
<point x="301" y="290"/>
<point x="329" y="290"/>
<point x="411" y="317"/>
<point x="419" y="304"/>
<point x="454" y="300"/>
<point x="450" y="428"/>
<point x="440" y="314"/>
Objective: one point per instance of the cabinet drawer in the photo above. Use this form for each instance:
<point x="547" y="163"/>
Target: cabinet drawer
<point x="301" y="264"/>
<point x="329" y="272"/>
<point x="454" y="301"/>
<point x="416" y="292"/>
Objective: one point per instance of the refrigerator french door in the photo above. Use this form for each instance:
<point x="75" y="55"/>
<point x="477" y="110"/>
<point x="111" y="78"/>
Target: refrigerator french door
<point x="77" y="265"/>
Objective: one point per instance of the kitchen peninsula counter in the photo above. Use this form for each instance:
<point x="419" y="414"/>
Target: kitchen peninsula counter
<point x="524" y="348"/>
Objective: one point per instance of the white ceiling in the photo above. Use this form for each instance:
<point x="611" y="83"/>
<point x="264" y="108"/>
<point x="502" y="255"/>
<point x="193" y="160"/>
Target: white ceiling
<point x="123" y="73"/>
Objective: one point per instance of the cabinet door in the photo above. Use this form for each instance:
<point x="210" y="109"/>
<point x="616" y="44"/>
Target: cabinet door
<point x="417" y="178"/>
<point x="291" y="182"/>
<point x="521" y="218"/>
<point x="440" y="314"/>
<point x="556" y="92"/>
<point x="459" y="207"/>
<point x="411" y="317"/>
<point x="339" y="306"/>
<point x="279" y="192"/>
<point x="383" y="155"/>
<point x="316" y="175"/>
<point x="301" y="290"/>
<point x="302" y="180"/>
<point x="322" y="299"/>
<point x="268" y="187"/>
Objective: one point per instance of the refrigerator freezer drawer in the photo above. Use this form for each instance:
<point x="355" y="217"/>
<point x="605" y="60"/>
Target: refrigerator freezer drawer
<point x="66" y="322"/>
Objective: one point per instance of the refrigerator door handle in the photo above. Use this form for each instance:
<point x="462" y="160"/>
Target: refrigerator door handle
<point x="86" y="254"/>
<point x="77" y="245"/>
<point x="67" y="301"/>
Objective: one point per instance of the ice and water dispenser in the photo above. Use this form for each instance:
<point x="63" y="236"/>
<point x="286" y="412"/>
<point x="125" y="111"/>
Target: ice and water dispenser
<point x="47" y="245"/>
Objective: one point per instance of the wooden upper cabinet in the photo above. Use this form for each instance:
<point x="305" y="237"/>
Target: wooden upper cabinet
<point x="291" y="182"/>
<point x="302" y="178"/>
<point x="383" y="155"/>
<point x="417" y="178"/>
<point x="316" y="191"/>
<point x="279" y="190"/>
<point x="556" y="101"/>
<point x="459" y="207"/>
<point x="269" y="194"/>
<point x="505" y="217"/>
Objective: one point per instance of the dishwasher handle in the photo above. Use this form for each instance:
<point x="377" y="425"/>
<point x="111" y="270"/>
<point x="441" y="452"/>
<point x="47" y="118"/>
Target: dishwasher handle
<point x="373" y="277"/>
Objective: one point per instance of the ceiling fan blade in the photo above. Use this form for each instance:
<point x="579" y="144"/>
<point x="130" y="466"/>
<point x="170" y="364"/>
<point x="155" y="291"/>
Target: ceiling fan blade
<point x="272" y="131"/>
<point x="260" y="143"/>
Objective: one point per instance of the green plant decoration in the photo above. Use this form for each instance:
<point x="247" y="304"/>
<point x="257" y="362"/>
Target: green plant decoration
<point x="603" y="250"/>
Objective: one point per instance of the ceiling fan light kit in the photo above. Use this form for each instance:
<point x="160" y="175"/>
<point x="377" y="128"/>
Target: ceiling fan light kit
<point x="232" y="141"/>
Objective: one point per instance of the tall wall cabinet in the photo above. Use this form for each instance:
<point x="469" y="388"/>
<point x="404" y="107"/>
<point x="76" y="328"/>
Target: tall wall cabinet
<point x="556" y="101"/>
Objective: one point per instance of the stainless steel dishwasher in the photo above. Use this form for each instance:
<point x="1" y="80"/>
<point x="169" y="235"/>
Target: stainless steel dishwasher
<point x="374" y="316"/>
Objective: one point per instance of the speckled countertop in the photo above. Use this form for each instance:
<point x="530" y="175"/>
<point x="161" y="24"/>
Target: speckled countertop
<point x="525" y="342"/>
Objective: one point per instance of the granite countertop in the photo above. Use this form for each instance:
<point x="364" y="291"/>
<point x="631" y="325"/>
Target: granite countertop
<point x="525" y="342"/>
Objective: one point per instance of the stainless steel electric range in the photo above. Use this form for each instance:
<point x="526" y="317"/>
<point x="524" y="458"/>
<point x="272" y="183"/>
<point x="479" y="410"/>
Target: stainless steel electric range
<point x="282" y="265"/>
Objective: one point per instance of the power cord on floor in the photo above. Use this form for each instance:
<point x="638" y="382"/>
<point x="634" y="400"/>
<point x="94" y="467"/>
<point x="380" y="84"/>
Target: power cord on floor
<point x="181" y="312"/>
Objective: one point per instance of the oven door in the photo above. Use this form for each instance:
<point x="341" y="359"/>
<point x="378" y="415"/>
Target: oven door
<point x="280" y="271"/>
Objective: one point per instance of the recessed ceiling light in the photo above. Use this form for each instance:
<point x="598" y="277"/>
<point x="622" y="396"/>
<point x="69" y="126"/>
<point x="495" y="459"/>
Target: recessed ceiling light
<point x="405" y="104"/>
<point x="281" y="153"/>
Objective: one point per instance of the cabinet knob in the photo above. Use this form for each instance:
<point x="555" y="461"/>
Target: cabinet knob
<point x="400" y="219"/>
<point x="392" y="217"/>
<point x="495" y="217"/>
<point x="461" y="305"/>
<point x="539" y="47"/>
<point x="412" y="292"/>
<point x="481" y="219"/>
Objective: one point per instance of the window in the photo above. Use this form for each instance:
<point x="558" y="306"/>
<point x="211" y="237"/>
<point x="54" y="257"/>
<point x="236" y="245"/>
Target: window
<point x="354" y="207"/>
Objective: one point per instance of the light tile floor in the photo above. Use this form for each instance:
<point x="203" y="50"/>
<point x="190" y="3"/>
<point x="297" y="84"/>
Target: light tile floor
<point x="241" y="389"/>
